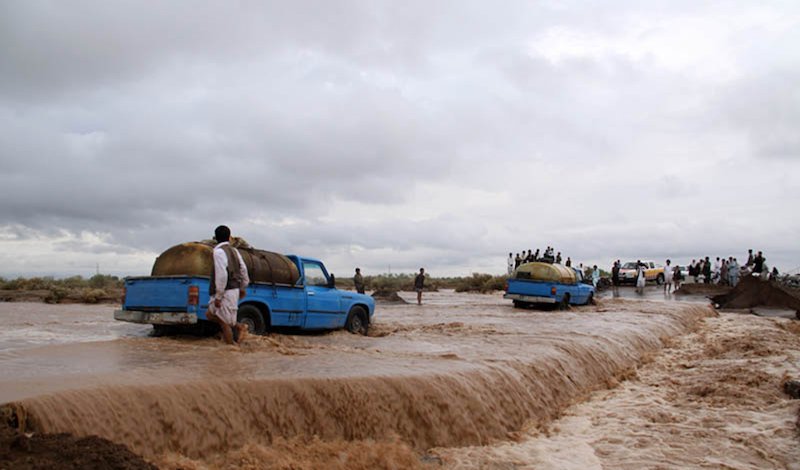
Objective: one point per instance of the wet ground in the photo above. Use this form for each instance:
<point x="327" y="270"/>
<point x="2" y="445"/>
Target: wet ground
<point x="463" y="381"/>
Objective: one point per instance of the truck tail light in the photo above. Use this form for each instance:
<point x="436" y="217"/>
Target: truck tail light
<point x="194" y="295"/>
<point x="124" y="293"/>
<point x="553" y="290"/>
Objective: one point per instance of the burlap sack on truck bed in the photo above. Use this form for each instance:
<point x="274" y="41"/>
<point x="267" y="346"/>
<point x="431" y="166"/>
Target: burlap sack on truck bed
<point x="196" y="259"/>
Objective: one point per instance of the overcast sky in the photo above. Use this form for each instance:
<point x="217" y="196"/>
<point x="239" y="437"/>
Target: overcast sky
<point x="394" y="135"/>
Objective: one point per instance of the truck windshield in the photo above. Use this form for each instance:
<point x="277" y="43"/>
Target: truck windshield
<point x="314" y="274"/>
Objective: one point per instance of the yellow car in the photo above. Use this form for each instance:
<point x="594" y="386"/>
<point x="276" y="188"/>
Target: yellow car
<point x="652" y="272"/>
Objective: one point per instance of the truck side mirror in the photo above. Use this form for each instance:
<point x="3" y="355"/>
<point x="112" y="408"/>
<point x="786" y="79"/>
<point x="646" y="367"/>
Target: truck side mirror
<point x="332" y="281"/>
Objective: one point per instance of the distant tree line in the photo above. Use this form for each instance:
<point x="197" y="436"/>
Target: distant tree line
<point x="104" y="288"/>
<point x="74" y="289"/>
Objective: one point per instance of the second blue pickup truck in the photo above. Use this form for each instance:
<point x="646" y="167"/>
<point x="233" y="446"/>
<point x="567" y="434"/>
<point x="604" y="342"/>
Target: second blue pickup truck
<point x="548" y="284"/>
<point x="305" y="298"/>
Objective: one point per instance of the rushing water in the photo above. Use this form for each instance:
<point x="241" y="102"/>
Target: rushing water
<point x="461" y="370"/>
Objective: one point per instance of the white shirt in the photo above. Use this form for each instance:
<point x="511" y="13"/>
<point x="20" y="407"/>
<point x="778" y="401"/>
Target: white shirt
<point x="221" y="270"/>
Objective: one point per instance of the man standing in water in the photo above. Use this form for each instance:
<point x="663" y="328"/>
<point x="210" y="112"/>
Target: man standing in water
<point x="229" y="279"/>
<point x="358" y="280"/>
<point x="668" y="274"/>
<point x="419" y="284"/>
<point x="641" y="280"/>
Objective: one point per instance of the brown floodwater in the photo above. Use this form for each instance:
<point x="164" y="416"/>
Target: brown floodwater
<point x="446" y="383"/>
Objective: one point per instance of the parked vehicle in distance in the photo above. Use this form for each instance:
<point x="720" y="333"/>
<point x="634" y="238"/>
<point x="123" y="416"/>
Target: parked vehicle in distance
<point x="311" y="302"/>
<point x="548" y="284"/>
<point x="628" y="272"/>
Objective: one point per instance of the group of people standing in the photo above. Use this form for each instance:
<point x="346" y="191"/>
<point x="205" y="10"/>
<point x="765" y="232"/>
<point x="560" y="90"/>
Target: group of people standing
<point x="546" y="257"/>
<point x="723" y="271"/>
<point x="728" y="271"/>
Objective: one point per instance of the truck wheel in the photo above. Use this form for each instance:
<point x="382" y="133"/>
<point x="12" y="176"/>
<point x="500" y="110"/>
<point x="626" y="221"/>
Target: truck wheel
<point x="357" y="321"/>
<point x="518" y="304"/>
<point x="564" y="304"/>
<point x="590" y="300"/>
<point x="660" y="279"/>
<point x="251" y="316"/>
<point x="163" y="330"/>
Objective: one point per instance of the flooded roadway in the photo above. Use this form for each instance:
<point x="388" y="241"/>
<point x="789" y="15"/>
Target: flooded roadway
<point x="462" y="370"/>
<point x="46" y="348"/>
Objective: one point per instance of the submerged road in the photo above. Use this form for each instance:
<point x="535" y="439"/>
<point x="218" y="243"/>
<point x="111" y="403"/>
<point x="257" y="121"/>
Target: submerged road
<point x="47" y="348"/>
<point x="461" y="369"/>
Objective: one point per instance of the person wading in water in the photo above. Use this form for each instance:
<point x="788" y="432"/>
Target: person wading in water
<point x="229" y="279"/>
<point x="419" y="285"/>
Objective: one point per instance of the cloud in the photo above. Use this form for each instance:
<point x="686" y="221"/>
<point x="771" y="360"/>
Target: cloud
<point x="379" y="134"/>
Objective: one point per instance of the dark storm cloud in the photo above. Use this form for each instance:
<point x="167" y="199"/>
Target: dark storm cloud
<point x="118" y="121"/>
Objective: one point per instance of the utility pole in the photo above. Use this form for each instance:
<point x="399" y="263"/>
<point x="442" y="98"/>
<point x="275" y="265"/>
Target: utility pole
<point x="98" y="269"/>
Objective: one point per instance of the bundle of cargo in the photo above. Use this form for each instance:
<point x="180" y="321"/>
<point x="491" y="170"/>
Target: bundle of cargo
<point x="196" y="259"/>
<point x="546" y="272"/>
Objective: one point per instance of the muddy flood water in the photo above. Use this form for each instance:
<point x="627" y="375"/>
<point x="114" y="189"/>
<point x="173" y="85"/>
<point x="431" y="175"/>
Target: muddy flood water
<point x="463" y="381"/>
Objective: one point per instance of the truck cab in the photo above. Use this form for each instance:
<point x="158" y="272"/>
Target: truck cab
<point x="312" y="303"/>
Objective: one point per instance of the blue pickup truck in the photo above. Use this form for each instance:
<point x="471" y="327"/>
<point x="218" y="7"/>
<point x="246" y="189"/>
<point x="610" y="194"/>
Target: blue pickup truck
<point x="309" y="301"/>
<point x="548" y="284"/>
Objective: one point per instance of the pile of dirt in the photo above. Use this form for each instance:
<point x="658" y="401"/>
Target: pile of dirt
<point x="386" y="295"/>
<point x="754" y="292"/>
<point x="702" y="289"/>
<point x="63" y="451"/>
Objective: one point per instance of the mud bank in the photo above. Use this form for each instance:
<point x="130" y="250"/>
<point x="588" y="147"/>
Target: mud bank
<point x="754" y="292"/>
<point x="447" y="375"/>
<point x="62" y="452"/>
<point x="702" y="289"/>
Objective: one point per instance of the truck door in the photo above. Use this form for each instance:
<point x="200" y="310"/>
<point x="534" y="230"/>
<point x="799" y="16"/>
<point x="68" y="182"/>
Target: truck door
<point x="324" y="303"/>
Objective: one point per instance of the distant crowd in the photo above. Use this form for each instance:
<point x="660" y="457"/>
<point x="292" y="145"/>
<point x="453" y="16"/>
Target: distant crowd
<point x="723" y="271"/>
<point x="514" y="261"/>
<point x="728" y="271"/>
<point x="546" y="257"/>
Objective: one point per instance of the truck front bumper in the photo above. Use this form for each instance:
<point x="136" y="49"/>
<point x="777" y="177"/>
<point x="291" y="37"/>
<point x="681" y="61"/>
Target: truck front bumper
<point x="156" y="318"/>
<point x="534" y="299"/>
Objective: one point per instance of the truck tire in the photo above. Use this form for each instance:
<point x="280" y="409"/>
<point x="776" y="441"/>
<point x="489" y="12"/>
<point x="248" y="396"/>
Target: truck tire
<point x="357" y="322"/>
<point x="660" y="279"/>
<point x="590" y="300"/>
<point x="251" y="316"/>
<point x="163" y="330"/>
<point x="518" y="303"/>
<point x="564" y="304"/>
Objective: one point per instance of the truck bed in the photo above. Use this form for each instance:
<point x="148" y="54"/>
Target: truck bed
<point x="164" y="294"/>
